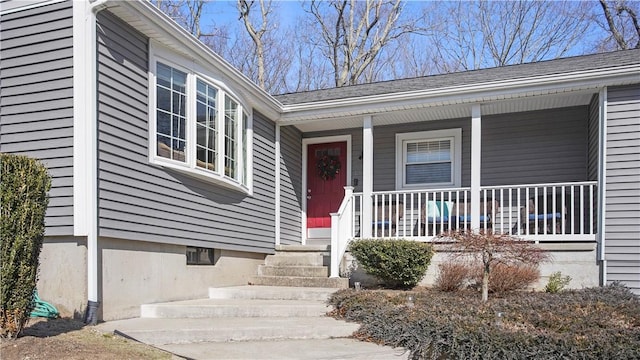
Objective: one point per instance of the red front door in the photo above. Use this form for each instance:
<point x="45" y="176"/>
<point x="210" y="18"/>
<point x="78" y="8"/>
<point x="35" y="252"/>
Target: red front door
<point x="325" y="185"/>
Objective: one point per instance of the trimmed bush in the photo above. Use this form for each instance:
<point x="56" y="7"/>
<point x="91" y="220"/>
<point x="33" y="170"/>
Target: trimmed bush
<point x="23" y="188"/>
<point x="596" y="323"/>
<point x="400" y="264"/>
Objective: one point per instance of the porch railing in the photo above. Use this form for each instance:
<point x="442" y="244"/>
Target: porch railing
<point x="537" y="212"/>
<point x="342" y="230"/>
<point x="559" y="212"/>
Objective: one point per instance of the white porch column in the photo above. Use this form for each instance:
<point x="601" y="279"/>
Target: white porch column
<point x="475" y="166"/>
<point x="602" y="183"/>
<point x="367" y="176"/>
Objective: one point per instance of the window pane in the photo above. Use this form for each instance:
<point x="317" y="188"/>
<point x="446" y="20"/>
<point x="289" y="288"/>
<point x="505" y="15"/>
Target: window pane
<point x="206" y="127"/>
<point x="230" y="135"/>
<point x="171" y="111"/>
<point x="163" y="101"/>
<point x="179" y="81"/>
<point x="163" y="123"/>
<point x="428" y="173"/>
<point x="164" y="146"/>
<point x="164" y="75"/>
<point x="427" y="151"/>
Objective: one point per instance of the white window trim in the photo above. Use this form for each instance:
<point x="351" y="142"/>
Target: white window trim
<point x="401" y="138"/>
<point x="189" y="167"/>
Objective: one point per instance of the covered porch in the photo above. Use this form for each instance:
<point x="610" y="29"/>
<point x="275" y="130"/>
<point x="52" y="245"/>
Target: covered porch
<point x="524" y="164"/>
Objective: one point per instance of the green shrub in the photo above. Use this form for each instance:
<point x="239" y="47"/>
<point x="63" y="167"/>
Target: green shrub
<point x="557" y="282"/>
<point x="398" y="263"/>
<point x="595" y="323"/>
<point x="23" y="188"/>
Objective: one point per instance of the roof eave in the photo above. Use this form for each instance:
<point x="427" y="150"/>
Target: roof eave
<point x="469" y="93"/>
<point x="261" y="100"/>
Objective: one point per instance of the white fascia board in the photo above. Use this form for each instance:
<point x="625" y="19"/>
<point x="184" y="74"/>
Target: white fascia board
<point x="169" y="29"/>
<point x="498" y="90"/>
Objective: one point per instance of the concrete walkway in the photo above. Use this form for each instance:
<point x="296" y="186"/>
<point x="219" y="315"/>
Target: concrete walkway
<point x="250" y="322"/>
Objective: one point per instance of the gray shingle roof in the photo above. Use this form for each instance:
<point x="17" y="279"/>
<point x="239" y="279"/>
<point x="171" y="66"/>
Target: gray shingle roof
<point x="542" y="68"/>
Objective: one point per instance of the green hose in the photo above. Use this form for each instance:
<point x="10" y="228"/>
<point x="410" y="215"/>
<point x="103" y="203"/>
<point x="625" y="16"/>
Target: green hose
<point x="43" y="308"/>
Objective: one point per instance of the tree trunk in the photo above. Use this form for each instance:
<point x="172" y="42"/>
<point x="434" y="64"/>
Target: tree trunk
<point x="485" y="283"/>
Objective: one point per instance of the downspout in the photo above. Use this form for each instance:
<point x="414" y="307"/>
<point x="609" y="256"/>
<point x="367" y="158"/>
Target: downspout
<point x="277" y="186"/>
<point x="602" y="182"/>
<point x="85" y="142"/>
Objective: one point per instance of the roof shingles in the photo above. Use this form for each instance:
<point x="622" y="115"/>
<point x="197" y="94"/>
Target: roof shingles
<point x="542" y="68"/>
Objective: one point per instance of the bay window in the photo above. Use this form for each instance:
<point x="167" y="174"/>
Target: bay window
<point x="199" y="128"/>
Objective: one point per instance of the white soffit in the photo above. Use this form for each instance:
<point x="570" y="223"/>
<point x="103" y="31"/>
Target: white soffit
<point x="432" y="113"/>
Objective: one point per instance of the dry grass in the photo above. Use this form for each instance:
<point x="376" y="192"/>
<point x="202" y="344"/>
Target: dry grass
<point x="69" y="339"/>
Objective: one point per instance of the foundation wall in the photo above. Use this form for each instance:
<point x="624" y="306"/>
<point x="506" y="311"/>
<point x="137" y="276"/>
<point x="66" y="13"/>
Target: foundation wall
<point x="135" y="273"/>
<point x="575" y="260"/>
<point x="62" y="279"/>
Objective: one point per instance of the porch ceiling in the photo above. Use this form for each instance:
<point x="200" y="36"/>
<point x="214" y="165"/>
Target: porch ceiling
<point x="437" y="111"/>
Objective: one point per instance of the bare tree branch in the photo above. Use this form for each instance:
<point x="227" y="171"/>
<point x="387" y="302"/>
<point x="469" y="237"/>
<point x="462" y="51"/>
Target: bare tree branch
<point x="353" y="35"/>
<point x="244" y="8"/>
<point x="495" y="33"/>
<point x="622" y="24"/>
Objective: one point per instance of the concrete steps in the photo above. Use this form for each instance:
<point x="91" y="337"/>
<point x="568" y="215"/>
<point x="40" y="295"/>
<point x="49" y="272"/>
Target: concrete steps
<point x="316" y="349"/>
<point x="270" y="293"/>
<point x="217" y="308"/>
<point x="299" y="266"/>
<point x="188" y="331"/>
<point x="250" y="322"/>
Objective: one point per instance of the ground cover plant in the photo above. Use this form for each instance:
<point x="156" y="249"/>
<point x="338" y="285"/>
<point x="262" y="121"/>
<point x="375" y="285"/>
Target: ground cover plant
<point x="595" y="323"/>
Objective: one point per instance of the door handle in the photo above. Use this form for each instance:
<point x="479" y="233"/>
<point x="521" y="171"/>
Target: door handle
<point x="308" y="196"/>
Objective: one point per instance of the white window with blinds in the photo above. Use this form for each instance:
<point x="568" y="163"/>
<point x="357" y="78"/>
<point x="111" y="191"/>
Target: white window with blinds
<point x="429" y="159"/>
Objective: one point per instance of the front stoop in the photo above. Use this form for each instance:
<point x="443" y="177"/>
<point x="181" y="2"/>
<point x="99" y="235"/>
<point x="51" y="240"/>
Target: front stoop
<point x="250" y="322"/>
<point x="299" y="266"/>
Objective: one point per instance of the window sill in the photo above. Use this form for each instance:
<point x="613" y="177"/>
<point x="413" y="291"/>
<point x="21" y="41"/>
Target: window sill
<point x="201" y="174"/>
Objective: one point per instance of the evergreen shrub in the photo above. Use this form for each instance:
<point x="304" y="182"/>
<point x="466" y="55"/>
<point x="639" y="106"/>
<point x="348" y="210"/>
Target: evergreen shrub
<point x="399" y="263"/>
<point x="23" y="190"/>
<point x="557" y="282"/>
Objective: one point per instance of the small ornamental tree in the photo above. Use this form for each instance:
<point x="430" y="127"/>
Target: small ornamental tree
<point x="492" y="249"/>
<point x="23" y="188"/>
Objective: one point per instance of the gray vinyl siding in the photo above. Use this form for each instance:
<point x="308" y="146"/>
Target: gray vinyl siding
<point x="544" y="146"/>
<point x="14" y="5"/>
<point x="384" y="156"/>
<point x="622" y="233"/>
<point x="593" y="139"/>
<point x="140" y="201"/>
<point x="290" y="185"/>
<point x="519" y="148"/>
<point x="36" y="101"/>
